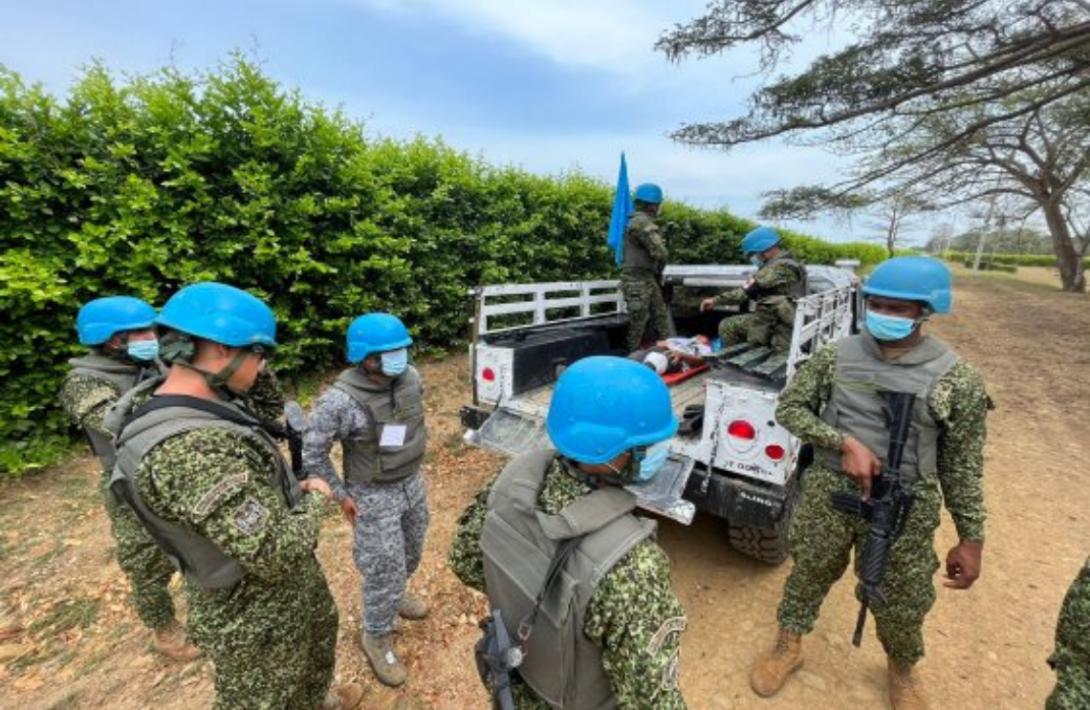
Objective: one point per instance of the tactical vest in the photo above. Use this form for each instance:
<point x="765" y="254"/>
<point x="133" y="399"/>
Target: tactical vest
<point x="518" y="542"/>
<point x="786" y="258"/>
<point x="121" y="374"/>
<point x="636" y="257"/>
<point x="856" y="408"/>
<point x="199" y="559"/>
<point x="398" y="403"/>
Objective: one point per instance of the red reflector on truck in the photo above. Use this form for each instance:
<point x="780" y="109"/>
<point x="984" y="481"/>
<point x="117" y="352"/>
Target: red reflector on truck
<point x="741" y="429"/>
<point x="775" y="452"/>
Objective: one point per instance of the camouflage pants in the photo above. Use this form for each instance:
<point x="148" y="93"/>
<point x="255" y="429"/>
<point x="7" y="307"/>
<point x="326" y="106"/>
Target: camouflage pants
<point x="822" y="541"/>
<point x="1072" y="657"/>
<point x="391" y="524"/>
<point x="643" y="299"/>
<point x="147" y="567"/>
<point x="763" y="327"/>
<point x="273" y="645"/>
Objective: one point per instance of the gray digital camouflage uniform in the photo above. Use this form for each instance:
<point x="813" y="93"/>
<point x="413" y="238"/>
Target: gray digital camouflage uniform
<point x="822" y="539"/>
<point x="86" y="399"/>
<point x="1071" y="658"/>
<point x="392" y="518"/>
<point x="634" y="615"/>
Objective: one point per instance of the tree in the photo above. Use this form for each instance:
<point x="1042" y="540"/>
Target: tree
<point x="957" y="99"/>
<point x="893" y="214"/>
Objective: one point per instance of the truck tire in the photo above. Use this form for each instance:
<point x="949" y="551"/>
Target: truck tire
<point x="768" y="546"/>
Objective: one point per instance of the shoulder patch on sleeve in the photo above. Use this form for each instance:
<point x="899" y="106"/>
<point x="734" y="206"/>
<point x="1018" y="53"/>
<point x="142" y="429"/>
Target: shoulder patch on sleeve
<point x="673" y="625"/>
<point x="218" y="493"/>
<point x="250" y="517"/>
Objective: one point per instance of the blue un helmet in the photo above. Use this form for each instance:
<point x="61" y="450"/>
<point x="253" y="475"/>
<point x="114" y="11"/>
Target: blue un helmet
<point x="604" y="406"/>
<point x="760" y="240"/>
<point x="649" y="192"/>
<point x="99" y="319"/>
<point x="912" y="278"/>
<point x="376" y="333"/>
<point x="220" y="313"/>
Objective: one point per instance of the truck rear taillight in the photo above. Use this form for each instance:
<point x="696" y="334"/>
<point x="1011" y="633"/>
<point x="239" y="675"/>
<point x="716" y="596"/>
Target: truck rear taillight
<point x="742" y="430"/>
<point x="775" y="452"/>
<point x="488" y="374"/>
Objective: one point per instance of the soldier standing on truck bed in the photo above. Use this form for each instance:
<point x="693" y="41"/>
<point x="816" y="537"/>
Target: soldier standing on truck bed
<point x="121" y="333"/>
<point x="778" y="284"/>
<point x="834" y="402"/>
<point x="1072" y="656"/>
<point x="611" y="628"/>
<point x="644" y="257"/>
<point x="375" y="409"/>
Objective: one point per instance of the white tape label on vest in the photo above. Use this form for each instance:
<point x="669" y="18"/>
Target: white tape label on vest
<point x="393" y="435"/>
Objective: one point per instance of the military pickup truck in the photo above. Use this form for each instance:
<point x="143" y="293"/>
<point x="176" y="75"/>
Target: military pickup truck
<point x="730" y="459"/>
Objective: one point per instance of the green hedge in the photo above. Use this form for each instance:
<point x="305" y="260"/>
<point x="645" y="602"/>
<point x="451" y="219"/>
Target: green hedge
<point x="1008" y="259"/>
<point x="139" y="187"/>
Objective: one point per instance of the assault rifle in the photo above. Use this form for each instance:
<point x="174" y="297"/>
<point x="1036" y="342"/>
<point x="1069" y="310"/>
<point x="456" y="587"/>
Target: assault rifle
<point x="296" y="420"/>
<point x="886" y="510"/>
<point x="496" y="658"/>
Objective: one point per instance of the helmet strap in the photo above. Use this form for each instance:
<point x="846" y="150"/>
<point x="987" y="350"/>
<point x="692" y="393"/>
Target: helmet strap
<point x="217" y="381"/>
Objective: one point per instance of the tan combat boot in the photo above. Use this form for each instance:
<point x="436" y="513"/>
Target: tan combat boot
<point x="905" y="692"/>
<point x="380" y="652"/>
<point x="771" y="670"/>
<point x="413" y="608"/>
<point x="343" y="697"/>
<point x="170" y="641"/>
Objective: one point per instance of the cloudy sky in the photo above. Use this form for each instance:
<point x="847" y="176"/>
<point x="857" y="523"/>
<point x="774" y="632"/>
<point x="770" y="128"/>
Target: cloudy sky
<point x="549" y="85"/>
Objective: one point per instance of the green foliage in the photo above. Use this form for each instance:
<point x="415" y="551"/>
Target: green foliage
<point x="1006" y="259"/>
<point x="143" y="186"/>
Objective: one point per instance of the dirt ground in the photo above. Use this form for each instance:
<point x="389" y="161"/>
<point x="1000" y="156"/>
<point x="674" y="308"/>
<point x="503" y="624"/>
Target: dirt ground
<point x="68" y="640"/>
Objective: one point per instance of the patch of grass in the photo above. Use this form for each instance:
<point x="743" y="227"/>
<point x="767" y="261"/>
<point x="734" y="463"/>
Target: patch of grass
<point x="65" y="616"/>
<point x="70" y="700"/>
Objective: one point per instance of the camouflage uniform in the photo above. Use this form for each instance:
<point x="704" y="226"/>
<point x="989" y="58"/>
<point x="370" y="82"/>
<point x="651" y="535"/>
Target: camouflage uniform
<point x="1072" y="656"/>
<point x="86" y="399"/>
<point x="633" y="601"/>
<point x="778" y="282"/>
<point x="822" y="539"/>
<point x="392" y="518"/>
<point x="272" y="636"/>
<point x="644" y="254"/>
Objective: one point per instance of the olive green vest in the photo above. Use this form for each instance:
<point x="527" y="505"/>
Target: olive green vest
<point x="398" y="403"/>
<point x="519" y="541"/>
<point x="788" y="259"/>
<point x="636" y="258"/>
<point x="856" y="408"/>
<point x="199" y="559"/>
<point x="121" y="374"/>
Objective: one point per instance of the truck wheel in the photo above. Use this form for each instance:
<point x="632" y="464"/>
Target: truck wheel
<point x="769" y="546"/>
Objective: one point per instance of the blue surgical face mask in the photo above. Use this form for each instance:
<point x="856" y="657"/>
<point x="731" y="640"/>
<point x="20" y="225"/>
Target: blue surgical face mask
<point x="394" y="362"/>
<point x="756" y="261"/>
<point x="889" y="328"/>
<point x="143" y="350"/>
<point x="652" y="462"/>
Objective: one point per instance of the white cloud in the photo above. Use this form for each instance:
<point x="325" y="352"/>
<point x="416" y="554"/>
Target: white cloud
<point x="612" y="35"/>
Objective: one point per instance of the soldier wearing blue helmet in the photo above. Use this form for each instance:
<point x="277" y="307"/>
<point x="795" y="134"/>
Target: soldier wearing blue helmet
<point x="644" y="257"/>
<point x="375" y="410"/>
<point x="120" y="330"/>
<point x="610" y="624"/>
<point x="779" y="282"/>
<point x="208" y="481"/>
<point x="834" y="403"/>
